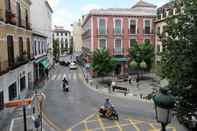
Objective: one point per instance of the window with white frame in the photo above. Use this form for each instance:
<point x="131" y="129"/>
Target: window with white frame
<point x="102" y="44"/>
<point x="118" y="47"/>
<point x="117" y="28"/>
<point x="132" y="42"/>
<point x="102" y="26"/>
<point x="147" y="28"/>
<point x="132" y="26"/>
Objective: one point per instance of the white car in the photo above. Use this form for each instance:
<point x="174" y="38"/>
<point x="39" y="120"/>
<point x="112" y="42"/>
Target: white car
<point x="73" y="66"/>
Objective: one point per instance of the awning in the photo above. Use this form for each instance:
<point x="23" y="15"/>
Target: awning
<point x="45" y="63"/>
<point x="40" y="60"/>
<point x="120" y="59"/>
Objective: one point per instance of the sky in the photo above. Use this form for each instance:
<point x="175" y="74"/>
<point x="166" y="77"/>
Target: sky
<point x="68" y="11"/>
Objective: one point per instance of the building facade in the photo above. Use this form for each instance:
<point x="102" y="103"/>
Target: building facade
<point x="63" y="37"/>
<point x="16" y="68"/>
<point x="41" y="37"/>
<point x="77" y="36"/>
<point x="117" y="30"/>
<point x="163" y="12"/>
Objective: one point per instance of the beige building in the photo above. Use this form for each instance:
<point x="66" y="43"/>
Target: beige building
<point x="15" y="49"/>
<point x="77" y="36"/>
<point x="163" y="12"/>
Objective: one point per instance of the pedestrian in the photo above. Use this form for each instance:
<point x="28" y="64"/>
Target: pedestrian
<point x="129" y="79"/>
<point x="137" y="80"/>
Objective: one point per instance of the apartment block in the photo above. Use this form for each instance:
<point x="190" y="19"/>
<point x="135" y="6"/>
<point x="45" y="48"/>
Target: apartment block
<point x="16" y="68"/>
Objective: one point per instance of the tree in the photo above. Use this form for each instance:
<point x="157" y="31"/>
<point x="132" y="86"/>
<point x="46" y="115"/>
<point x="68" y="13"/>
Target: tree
<point x="142" y="52"/>
<point x="102" y="62"/>
<point x="179" y="59"/>
<point x="56" y="51"/>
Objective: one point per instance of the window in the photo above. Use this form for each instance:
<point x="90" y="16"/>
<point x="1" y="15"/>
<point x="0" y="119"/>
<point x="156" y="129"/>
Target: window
<point x="20" y="43"/>
<point x="102" y="26"/>
<point x="117" y="26"/>
<point x="118" y="47"/>
<point x="8" y="5"/>
<point x="35" y="48"/>
<point x="147" y="26"/>
<point x="10" y="46"/>
<point x="158" y="31"/>
<point x="39" y="51"/>
<point x="1" y="100"/>
<point x="103" y="44"/>
<point x="132" y="27"/>
<point x="19" y="14"/>
<point x="61" y="33"/>
<point x="22" y="83"/>
<point x="27" y="19"/>
<point x="28" y="48"/>
<point x="12" y="91"/>
<point x="158" y="48"/>
<point x="132" y="42"/>
<point x="57" y="33"/>
<point x="147" y="41"/>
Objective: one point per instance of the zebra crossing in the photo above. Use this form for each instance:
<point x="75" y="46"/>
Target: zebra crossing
<point x="70" y="76"/>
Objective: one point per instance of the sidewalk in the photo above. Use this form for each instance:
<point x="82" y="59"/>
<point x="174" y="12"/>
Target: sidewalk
<point x="143" y="92"/>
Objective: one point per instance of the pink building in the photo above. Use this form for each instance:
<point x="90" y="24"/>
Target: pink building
<point x="117" y="29"/>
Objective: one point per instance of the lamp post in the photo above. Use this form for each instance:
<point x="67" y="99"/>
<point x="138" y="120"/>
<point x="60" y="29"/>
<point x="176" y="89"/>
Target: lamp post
<point x="164" y="103"/>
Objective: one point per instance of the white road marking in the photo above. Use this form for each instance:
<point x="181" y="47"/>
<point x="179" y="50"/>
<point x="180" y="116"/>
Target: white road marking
<point x="15" y="119"/>
<point x="53" y="77"/>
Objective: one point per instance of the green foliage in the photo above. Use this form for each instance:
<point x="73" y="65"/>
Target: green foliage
<point x="179" y="59"/>
<point x="102" y="62"/>
<point x="143" y="65"/>
<point x="56" y="51"/>
<point x="142" y="52"/>
<point x="133" y="65"/>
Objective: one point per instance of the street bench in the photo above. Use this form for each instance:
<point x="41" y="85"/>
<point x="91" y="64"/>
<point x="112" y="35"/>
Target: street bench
<point x="120" y="88"/>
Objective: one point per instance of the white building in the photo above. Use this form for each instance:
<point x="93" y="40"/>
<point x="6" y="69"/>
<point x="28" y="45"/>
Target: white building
<point x="77" y="36"/>
<point x="63" y="36"/>
<point x="41" y="19"/>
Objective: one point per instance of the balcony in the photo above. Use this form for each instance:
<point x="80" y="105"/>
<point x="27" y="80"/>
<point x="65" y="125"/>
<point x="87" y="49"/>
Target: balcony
<point x="10" y="17"/>
<point x="118" y="51"/>
<point x="118" y="32"/>
<point x="4" y="68"/>
<point x="28" y="26"/>
<point x="132" y="32"/>
<point x="148" y="32"/>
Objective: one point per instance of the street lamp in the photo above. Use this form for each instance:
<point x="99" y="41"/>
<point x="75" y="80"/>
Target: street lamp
<point x="164" y="103"/>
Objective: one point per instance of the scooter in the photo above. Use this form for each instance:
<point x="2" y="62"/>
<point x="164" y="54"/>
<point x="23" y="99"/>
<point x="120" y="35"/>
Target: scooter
<point x="65" y="87"/>
<point x="113" y="116"/>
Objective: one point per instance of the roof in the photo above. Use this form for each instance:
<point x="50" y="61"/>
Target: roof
<point x="61" y="30"/>
<point x="47" y="4"/>
<point x="141" y="3"/>
<point x="125" y="12"/>
<point x="167" y="6"/>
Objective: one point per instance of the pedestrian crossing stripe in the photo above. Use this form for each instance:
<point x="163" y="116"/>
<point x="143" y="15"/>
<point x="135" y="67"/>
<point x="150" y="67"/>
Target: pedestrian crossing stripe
<point x="62" y="76"/>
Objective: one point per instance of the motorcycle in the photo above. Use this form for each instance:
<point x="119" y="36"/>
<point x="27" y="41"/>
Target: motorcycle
<point x="65" y="87"/>
<point x="112" y="116"/>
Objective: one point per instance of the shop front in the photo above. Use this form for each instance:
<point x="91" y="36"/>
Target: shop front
<point x="41" y="68"/>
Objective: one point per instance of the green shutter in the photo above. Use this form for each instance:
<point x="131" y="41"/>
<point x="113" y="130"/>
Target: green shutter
<point x="102" y="26"/>
<point x="118" y="26"/>
<point x="147" y="23"/>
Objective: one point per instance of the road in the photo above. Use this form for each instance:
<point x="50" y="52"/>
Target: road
<point x="67" y="110"/>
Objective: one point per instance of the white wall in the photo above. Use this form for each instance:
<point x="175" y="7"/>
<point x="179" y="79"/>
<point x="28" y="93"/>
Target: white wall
<point x="41" y="20"/>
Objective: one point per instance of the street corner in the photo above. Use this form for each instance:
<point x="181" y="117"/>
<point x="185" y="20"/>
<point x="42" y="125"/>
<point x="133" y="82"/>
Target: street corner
<point x="96" y="123"/>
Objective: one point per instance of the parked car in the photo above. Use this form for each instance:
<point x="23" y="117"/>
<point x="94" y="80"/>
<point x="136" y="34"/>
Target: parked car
<point x="73" y="66"/>
<point x="63" y="63"/>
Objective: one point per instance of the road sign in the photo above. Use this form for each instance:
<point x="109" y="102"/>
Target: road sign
<point x="17" y="103"/>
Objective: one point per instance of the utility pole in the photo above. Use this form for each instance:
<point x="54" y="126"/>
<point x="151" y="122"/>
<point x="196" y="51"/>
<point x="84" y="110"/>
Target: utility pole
<point x="24" y="118"/>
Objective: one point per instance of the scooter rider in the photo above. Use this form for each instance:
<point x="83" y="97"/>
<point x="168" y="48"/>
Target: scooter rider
<point x="107" y="107"/>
